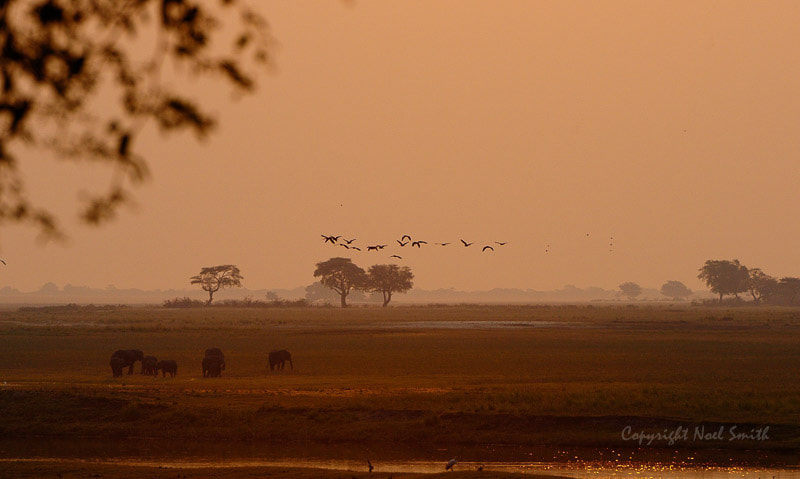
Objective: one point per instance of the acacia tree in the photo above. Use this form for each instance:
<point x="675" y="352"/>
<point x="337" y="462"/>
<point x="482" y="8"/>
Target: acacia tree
<point x="675" y="290"/>
<point x="342" y="276"/>
<point x="213" y="278"/>
<point x="61" y="56"/>
<point x="388" y="279"/>
<point x="725" y="277"/>
<point x="631" y="290"/>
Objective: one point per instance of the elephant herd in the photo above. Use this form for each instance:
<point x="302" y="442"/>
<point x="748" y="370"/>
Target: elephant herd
<point x="125" y="358"/>
<point x="213" y="362"/>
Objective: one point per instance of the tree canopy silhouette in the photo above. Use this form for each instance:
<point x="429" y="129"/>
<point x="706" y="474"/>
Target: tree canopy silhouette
<point x="213" y="278"/>
<point x="60" y="56"/>
<point x="760" y="284"/>
<point x="675" y="290"/>
<point x="342" y="276"/>
<point x="631" y="290"/>
<point x="725" y="277"/>
<point x="388" y="279"/>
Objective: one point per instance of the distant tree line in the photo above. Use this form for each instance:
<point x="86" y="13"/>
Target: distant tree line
<point x="671" y="289"/>
<point x="731" y="278"/>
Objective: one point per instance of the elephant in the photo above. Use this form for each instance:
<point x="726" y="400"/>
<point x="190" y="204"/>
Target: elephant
<point x="129" y="357"/>
<point x="277" y="359"/>
<point x="117" y="364"/>
<point x="150" y="365"/>
<point x="213" y="363"/>
<point x="167" y="366"/>
<point x="212" y="367"/>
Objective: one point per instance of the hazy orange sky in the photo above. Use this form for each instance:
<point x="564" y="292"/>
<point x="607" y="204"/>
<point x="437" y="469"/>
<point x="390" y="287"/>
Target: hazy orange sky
<point x="671" y="126"/>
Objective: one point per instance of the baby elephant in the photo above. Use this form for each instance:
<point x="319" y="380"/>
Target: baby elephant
<point x="168" y="366"/>
<point x="149" y="365"/>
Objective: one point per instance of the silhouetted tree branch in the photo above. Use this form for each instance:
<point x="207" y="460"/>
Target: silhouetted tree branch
<point x="59" y="55"/>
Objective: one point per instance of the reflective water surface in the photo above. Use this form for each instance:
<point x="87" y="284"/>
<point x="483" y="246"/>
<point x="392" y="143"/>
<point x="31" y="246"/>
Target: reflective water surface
<point x="578" y="462"/>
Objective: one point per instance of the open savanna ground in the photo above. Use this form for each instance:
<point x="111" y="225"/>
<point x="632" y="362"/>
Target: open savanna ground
<point x="406" y="380"/>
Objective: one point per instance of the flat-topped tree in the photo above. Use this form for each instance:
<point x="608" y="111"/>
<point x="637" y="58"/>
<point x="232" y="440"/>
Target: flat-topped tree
<point x="388" y="279"/>
<point x="341" y="275"/>
<point x="213" y="278"/>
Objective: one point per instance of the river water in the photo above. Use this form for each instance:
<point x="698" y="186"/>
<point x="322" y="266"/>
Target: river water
<point x="578" y="463"/>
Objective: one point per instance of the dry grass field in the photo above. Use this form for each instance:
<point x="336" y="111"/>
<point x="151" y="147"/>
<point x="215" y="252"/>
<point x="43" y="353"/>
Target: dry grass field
<point x="404" y="381"/>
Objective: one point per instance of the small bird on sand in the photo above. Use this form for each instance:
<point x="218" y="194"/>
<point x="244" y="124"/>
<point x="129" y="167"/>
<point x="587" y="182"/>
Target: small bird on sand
<point x="452" y="462"/>
<point x="480" y="468"/>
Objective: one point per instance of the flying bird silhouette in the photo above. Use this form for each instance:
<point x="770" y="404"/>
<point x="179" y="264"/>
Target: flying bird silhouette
<point x="443" y="244"/>
<point x="395" y="256"/>
<point x="452" y="462"/>
<point x="348" y="241"/>
<point x="465" y="243"/>
<point x="3" y="261"/>
<point x="404" y="237"/>
<point x="487" y="247"/>
<point x="418" y="243"/>
<point x="372" y="248"/>
<point x="332" y="239"/>
<point x="342" y="244"/>
<point x="502" y="243"/>
<point x="355" y="248"/>
<point x="381" y="246"/>
<point x="401" y="243"/>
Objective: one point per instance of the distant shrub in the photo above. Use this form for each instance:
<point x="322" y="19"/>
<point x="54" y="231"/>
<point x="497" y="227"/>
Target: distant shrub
<point x="247" y="302"/>
<point x="72" y="308"/>
<point x="255" y="303"/>
<point x="185" y="302"/>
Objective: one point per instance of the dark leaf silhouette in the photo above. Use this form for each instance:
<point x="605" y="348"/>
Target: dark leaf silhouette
<point x="58" y="55"/>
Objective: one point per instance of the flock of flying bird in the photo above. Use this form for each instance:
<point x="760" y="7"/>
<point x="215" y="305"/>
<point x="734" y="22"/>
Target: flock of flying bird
<point x="405" y="240"/>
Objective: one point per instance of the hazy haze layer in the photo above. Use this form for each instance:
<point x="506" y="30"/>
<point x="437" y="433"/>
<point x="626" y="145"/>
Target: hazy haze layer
<point x="671" y="126"/>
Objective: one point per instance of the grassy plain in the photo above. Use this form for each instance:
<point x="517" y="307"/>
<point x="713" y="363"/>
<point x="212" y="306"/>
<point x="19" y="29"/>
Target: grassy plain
<point x="405" y="380"/>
